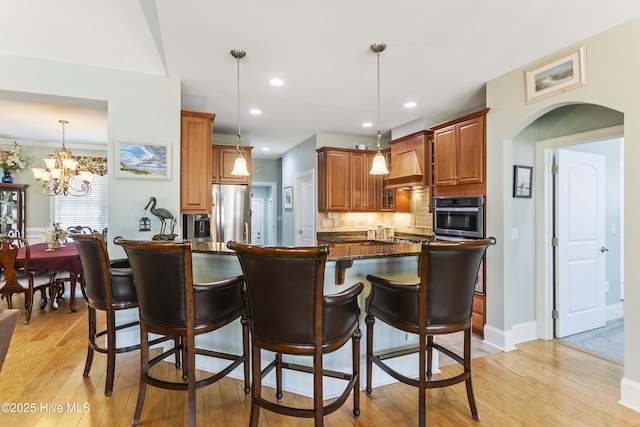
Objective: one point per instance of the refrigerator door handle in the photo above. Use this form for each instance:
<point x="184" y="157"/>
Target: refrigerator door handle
<point x="246" y="233"/>
<point x="221" y="218"/>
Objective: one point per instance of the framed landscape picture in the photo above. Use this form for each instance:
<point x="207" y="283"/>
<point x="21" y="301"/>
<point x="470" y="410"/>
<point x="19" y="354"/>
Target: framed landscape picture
<point x="143" y="160"/>
<point x="557" y="75"/>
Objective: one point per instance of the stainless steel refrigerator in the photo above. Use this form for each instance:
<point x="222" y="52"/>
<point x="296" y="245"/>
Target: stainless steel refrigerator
<point x="230" y="217"/>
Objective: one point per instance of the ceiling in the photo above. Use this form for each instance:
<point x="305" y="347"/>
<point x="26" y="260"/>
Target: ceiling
<point x="439" y="55"/>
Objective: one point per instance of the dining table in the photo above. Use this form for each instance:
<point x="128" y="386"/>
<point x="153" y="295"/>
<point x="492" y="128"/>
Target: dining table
<point x="62" y="259"/>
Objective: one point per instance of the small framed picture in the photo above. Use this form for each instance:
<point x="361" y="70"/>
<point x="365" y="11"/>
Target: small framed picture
<point x="522" y="181"/>
<point x="143" y="160"/>
<point x="288" y="197"/>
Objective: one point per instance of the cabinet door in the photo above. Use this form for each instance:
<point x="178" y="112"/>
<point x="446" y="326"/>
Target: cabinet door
<point x="385" y="201"/>
<point x="362" y="183"/>
<point x="471" y="152"/>
<point x="226" y="158"/>
<point x="215" y="165"/>
<point x="195" y="162"/>
<point x="338" y="181"/>
<point x="445" y="153"/>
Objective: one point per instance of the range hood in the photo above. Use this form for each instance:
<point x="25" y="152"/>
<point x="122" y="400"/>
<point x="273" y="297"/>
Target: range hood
<point x="410" y="160"/>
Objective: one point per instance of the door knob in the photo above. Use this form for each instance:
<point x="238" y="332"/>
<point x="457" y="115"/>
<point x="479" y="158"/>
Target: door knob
<point x="603" y="249"/>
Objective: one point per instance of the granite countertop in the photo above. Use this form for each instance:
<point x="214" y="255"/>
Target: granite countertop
<point x="349" y="251"/>
<point x="211" y="248"/>
<point x="339" y="249"/>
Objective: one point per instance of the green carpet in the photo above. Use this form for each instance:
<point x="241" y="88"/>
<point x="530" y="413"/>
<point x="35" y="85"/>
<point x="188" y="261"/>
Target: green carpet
<point x="607" y="342"/>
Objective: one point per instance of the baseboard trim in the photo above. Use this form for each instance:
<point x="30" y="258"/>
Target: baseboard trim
<point x="507" y="340"/>
<point x="630" y="394"/>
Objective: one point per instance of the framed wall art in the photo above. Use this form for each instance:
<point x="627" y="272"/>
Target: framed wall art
<point x="522" y="180"/>
<point x="557" y="75"/>
<point x="143" y="160"/>
<point x="288" y="197"/>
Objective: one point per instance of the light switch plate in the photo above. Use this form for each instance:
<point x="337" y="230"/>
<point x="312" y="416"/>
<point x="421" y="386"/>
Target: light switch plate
<point x="326" y="223"/>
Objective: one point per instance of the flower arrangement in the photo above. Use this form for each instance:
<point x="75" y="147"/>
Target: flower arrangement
<point x="11" y="161"/>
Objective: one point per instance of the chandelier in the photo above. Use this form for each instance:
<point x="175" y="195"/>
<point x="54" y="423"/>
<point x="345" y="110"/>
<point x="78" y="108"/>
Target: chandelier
<point x="240" y="164"/>
<point x="379" y="166"/>
<point x="61" y="173"/>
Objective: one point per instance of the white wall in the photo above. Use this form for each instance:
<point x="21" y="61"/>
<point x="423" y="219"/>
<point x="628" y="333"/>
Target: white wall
<point x="612" y="64"/>
<point x="140" y="107"/>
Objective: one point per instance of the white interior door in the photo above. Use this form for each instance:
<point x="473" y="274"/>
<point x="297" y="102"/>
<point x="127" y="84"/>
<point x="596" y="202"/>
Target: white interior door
<point x="580" y="256"/>
<point x="257" y="223"/>
<point x="305" y="211"/>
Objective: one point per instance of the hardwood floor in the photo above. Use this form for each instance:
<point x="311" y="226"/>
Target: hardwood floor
<point x="542" y="383"/>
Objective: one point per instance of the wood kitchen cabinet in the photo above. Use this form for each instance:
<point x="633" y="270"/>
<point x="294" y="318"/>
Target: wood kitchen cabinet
<point x="459" y="152"/>
<point x="13" y="209"/>
<point x="195" y="162"/>
<point x="344" y="182"/>
<point x="223" y="157"/>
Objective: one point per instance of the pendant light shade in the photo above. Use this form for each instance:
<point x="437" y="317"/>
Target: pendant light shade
<point x="240" y="164"/>
<point x="379" y="166"/>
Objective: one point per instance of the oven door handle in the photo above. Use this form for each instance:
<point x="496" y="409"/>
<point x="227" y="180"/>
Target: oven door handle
<point x="457" y="209"/>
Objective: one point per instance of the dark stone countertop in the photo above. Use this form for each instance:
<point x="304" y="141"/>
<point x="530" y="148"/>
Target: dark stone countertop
<point x="211" y="248"/>
<point x="370" y="249"/>
<point x="341" y="250"/>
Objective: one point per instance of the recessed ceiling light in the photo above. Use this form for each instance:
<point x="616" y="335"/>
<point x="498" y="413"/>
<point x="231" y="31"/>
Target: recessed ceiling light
<point x="265" y="148"/>
<point x="367" y="124"/>
<point x="410" y="104"/>
<point x="276" y="82"/>
<point x="255" y="111"/>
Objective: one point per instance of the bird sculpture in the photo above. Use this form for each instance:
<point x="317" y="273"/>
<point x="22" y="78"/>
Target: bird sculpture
<point x="164" y="216"/>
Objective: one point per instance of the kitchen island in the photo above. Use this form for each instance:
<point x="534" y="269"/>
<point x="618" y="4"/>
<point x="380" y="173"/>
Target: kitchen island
<point x="351" y="261"/>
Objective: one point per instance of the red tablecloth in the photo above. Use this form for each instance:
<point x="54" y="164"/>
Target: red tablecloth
<point x="61" y="259"/>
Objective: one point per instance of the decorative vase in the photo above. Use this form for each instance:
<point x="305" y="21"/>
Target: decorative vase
<point x="7" y="178"/>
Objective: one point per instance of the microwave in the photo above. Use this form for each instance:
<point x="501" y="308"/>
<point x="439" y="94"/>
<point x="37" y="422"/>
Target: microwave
<point x="459" y="216"/>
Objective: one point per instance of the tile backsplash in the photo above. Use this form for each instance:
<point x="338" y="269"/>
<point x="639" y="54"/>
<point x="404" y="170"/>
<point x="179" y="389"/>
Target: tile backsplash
<point x="419" y="221"/>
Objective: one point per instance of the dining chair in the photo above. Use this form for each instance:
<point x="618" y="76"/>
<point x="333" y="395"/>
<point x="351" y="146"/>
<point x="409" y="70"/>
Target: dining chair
<point x="15" y="280"/>
<point x="440" y="303"/>
<point x="106" y="289"/>
<point x="79" y="229"/>
<point x="170" y="304"/>
<point x="289" y="314"/>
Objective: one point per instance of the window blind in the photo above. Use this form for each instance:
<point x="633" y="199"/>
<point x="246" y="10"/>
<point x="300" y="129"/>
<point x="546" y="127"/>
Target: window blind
<point x="89" y="211"/>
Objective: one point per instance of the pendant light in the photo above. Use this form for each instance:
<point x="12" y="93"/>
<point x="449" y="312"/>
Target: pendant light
<point x="240" y="164"/>
<point x="379" y="166"/>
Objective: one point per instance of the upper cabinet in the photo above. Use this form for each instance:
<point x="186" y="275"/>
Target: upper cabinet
<point x="344" y="182"/>
<point x="459" y="153"/>
<point x="13" y="209"/>
<point x="223" y="158"/>
<point x="195" y="162"/>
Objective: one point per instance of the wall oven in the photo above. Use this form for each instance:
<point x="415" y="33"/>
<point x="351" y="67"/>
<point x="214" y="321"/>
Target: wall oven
<point x="459" y="216"/>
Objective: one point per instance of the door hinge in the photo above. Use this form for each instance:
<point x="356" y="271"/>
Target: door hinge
<point x="555" y="315"/>
<point x="554" y="242"/>
<point x="554" y="169"/>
